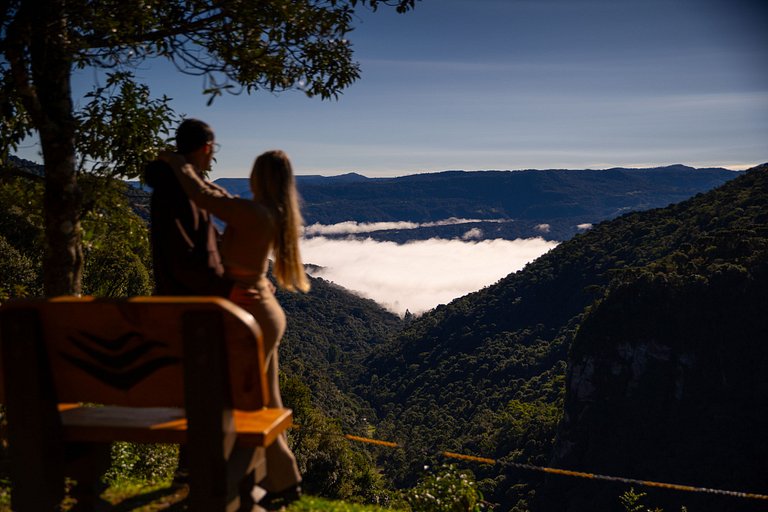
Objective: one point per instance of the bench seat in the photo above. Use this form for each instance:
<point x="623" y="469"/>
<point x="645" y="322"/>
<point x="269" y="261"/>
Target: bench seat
<point x="162" y="424"/>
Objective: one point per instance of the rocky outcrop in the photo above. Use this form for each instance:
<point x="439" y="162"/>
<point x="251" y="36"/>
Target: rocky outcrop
<point x="668" y="381"/>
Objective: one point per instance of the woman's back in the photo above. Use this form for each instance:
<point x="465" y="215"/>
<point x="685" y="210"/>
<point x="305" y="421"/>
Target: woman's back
<point x="248" y="239"/>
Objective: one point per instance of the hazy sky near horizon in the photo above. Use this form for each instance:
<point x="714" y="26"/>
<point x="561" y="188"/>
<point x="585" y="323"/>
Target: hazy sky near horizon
<point x="513" y="84"/>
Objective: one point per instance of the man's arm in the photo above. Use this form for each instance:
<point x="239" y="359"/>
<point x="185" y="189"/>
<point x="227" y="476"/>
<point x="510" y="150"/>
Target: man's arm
<point x="184" y="249"/>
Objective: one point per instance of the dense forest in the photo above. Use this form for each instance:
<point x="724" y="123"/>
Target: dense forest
<point x="330" y="331"/>
<point x="666" y="376"/>
<point x="116" y="245"/>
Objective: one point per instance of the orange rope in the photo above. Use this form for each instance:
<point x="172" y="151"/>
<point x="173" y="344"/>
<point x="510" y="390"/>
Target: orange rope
<point x="564" y="472"/>
<point x="468" y="457"/>
<point x="368" y="440"/>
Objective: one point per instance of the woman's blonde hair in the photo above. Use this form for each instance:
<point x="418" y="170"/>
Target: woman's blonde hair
<point x="273" y="184"/>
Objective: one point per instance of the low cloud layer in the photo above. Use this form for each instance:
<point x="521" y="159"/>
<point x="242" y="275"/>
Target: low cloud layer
<point x="418" y="275"/>
<point x="353" y="228"/>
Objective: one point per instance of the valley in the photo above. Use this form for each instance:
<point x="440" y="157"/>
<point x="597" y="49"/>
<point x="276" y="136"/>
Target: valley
<point x="491" y="372"/>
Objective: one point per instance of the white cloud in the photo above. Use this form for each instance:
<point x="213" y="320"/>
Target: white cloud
<point x="418" y="275"/>
<point x="584" y="227"/>
<point x="474" y="233"/>
<point x="543" y="228"/>
<point x="352" y="228"/>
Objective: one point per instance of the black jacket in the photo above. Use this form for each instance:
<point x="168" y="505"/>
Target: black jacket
<point x="185" y="255"/>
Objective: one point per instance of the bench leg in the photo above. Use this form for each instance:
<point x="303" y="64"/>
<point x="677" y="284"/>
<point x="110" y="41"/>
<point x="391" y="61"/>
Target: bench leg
<point x="245" y="467"/>
<point x="34" y="428"/>
<point x="86" y="464"/>
<point x="222" y="475"/>
<point x="211" y="429"/>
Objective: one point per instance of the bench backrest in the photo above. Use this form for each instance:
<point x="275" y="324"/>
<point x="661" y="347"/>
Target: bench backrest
<point x="131" y="351"/>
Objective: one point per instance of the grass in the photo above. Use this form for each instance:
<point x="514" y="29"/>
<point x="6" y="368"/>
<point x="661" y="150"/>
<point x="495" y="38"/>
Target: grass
<point x="313" y="504"/>
<point x="142" y="497"/>
<point x="164" y="496"/>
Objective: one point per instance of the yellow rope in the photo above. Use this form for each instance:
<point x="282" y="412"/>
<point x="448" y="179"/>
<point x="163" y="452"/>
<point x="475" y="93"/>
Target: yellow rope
<point x="564" y="472"/>
<point x="368" y="440"/>
<point x="468" y="457"/>
<point x="646" y="483"/>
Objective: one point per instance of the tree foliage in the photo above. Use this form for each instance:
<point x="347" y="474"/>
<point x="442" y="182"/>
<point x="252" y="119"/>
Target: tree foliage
<point x="329" y="466"/>
<point x="122" y="127"/>
<point x="116" y="241"/>
<point x="447" y="489"/>
<point x="21" y="241"/>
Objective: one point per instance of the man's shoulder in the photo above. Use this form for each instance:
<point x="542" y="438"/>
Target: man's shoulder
<point x="158" y="174"/>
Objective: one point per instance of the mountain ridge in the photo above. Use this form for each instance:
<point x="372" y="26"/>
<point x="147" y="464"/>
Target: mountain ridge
<point x="553" y="204"/>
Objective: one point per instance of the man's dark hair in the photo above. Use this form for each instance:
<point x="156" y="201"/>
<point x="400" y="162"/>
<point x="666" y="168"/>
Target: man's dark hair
<point x="191" y="135"/>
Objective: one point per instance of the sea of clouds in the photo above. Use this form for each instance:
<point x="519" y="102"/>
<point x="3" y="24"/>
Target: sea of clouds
<point x="417" y="275"/>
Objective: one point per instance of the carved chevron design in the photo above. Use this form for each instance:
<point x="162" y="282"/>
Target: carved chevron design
<point x="119" y="360"/>
<point x="122" y="380"/>
<point x="112" y="361"/>
<point x="114" y="345"/>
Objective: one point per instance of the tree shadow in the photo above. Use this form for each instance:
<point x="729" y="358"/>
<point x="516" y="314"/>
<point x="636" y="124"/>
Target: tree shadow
<point x="175" y="497"/>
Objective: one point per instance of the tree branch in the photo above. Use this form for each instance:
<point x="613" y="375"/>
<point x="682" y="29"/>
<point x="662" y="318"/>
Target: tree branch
<point x="190" y="25"/>
<point x="16" y="52"/>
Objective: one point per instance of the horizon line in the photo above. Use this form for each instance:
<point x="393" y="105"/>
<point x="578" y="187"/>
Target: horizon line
<point x="383" y="175"/>
<point x="402" y="174"/>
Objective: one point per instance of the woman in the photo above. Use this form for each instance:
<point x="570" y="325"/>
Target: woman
<point x="268" y="224"/>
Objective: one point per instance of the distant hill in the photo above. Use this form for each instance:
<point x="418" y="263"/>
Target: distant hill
<point x="241" y="187"/>
<point x="485" y="374"/>
<point x="314" y="179"/>
<point x="554" y="204"/>
<point x="17" y="164"/>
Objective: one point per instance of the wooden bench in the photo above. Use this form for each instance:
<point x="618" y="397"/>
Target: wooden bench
<point x="187" y="370"/>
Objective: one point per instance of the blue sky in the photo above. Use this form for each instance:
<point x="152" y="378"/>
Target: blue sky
<point x="515" y="84"/>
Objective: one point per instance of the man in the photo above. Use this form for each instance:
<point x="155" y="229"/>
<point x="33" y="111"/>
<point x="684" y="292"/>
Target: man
<point x="185" y="255"/>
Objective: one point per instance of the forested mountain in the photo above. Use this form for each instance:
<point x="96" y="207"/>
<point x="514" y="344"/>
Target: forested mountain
<point x="485" y="374"/>
<point x="330" y="331"/>
<point x="667" y="375"/>
<point x="552" y="203"/>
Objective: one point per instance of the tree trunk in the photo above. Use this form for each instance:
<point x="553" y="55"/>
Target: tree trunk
<point x="51" y="71"/>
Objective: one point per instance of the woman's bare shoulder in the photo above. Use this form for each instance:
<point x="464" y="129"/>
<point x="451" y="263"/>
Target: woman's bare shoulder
<point x="255" y="211"/>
